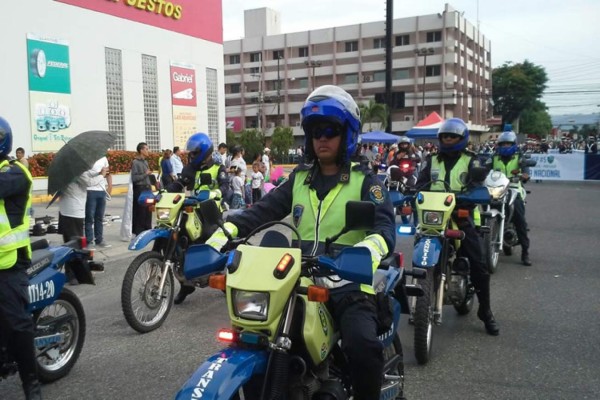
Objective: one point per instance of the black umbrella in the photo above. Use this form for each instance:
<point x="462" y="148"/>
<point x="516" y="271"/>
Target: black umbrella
<point x="77" y="156"/>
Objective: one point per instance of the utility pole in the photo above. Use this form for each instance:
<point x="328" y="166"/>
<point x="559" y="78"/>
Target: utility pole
<point x="424" y="52"/>
<point x="389" y="28"/>
<point x="260" y="100"/>
<point x="313" y="64"/>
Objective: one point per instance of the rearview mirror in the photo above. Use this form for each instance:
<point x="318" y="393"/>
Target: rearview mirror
<point x="360" y="215"/>
<point x="205" y="179"/>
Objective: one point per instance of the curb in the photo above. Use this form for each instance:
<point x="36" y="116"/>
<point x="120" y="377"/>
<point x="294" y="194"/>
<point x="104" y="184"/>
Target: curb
<point x="45" y="198"/>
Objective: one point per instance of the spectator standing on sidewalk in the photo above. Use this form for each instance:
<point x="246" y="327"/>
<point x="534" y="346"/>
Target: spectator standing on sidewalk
<point x="98" y="191"/>
<point x="168" y="176"/>
<point x="176" y="162"/>
<point x="257" y="181"/>
<point x="21" y="157"/>
<point x="140" y="178"/>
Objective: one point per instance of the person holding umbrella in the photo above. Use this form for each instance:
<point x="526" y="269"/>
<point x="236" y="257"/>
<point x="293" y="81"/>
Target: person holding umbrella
<point x="16" y="324"/>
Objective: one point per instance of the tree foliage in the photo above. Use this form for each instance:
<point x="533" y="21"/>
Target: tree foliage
<point x="281" y="142"/>
<point x="252" y="140"/>
<point x="373" y="112"/>
<point x="516" y="88"/>
<point x="536" y="120"/>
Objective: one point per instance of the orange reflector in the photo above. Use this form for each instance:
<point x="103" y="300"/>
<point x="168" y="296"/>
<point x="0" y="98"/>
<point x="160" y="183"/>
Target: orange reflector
<point x="91" y="254"/>
<point x="463" y="213"/>
<point x="317" y="293"/>
<point x="217" y="281"/>
<point x="406" y="210"/>
<point x="226" y="335"/>
<point x="176" y="199"/>
<point x="455" y="234"/>
<point x="189" y="209"/>
<point x="448" y="200"/>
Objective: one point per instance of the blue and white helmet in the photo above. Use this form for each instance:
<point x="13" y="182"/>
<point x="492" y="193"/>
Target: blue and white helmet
<point x="334" y="104"/>
<point x="507" y="137"/>
<point x="5" y="138"/>
<point x="454" y="126"/>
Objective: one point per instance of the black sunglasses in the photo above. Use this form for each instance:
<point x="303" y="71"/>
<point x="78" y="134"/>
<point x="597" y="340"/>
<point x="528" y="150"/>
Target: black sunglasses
<point x="449" y="135"/>
<point x="329" y="131"/>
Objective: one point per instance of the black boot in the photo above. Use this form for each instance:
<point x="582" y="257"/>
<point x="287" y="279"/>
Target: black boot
<point x="525" y="258"/>
<point x="32" y="390"/>
<point x="183" y="293"/>
<point x="484" y="313"/>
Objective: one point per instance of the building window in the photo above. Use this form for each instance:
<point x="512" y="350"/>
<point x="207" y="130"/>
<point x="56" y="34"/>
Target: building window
<point x="212" y="104"/>
<point x="302" y="51"/>
<point x="401" y="74"/>
<point x="150" y="91"/>
<point x="255" y="57"/>
<point x="303" y="83"/>
<point x="350" y="79"/>
<point x="433" y="70"/>
<point x="277" y="54"/>
<point x="234" y="88"/>
<point x="234" y="59"/>
<point x="114" y="95"/>
<point x="254" y="70"/>
<point x="352" y="46"/>
<point x="379" y="76"/>
<point x="435" y="36"/>
<point x="402" y="40"/>
<point x="379" y="43"/>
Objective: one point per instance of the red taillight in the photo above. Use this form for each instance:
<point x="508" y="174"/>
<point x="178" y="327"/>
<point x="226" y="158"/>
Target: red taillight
<point x="83" y="242"/>
<point x="227" y="336"/>
<point x="150" y="200"/>
<point x="405" y="166"/>
<point x="400" y="260"/>
<point x="406" y="210"/>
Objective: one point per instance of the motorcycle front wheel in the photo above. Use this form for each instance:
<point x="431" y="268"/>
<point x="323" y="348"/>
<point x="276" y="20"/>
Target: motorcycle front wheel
<point x="144" y="308"/>
<point x="423" y="319"/>
<point x="490" y="246"/>
<point x="64" y="317"/>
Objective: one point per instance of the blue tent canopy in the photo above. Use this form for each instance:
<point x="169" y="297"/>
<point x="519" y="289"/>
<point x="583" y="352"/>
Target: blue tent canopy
<point x="378" y="137"/>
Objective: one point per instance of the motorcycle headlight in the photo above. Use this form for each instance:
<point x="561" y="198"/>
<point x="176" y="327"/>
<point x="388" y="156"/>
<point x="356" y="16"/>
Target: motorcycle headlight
<point x="163" y="213"/>
<point x="496" y="192"/>
<point x="433" y="217"/>
<point x="250" y="305"/>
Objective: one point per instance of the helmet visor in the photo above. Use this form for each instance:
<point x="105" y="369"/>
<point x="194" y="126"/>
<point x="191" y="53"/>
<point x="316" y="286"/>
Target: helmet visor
<point x="326" y="129"/>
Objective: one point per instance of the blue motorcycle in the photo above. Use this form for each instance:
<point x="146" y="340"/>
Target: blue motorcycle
<point x="283" y="342"/>
<point x="57" y="312"/>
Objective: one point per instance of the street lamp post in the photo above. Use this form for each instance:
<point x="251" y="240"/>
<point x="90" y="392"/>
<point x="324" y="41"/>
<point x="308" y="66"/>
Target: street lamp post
<point x="260" y="98"/>
<point x="424" y="52"/>
<point x="313" y="64"/>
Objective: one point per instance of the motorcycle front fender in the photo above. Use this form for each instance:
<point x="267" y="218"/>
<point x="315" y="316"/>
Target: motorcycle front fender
<point x="427" y="251"/>
<point x="223" y="374"/>
<point x="142" y="240"/>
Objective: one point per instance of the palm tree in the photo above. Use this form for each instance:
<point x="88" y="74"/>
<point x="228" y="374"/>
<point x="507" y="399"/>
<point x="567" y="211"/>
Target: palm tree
<point x="373" y="112"/>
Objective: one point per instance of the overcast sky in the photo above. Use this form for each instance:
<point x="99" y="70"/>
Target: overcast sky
<point x="562" y="36"/>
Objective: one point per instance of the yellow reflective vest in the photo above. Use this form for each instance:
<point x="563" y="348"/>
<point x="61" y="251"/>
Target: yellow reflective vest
<point x="12" y="239"/>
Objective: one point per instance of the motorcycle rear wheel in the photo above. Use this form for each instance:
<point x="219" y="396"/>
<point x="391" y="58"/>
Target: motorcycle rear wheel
<point x="141" y="309"/>
<point x="55" y="361"/>
<point x="423" y="320"/>
<point x="490" y="246"/>
<point x="395" y="349"/>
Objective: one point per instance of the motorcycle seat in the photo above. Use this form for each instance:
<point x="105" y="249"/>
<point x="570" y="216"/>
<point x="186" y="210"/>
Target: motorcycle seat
<point x="39" y="260"/>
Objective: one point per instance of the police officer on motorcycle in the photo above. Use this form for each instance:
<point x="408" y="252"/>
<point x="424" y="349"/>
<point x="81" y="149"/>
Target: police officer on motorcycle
<point x="508" y="159"/>
<point x="199" y="148"/>
<point x="315" y="194"/>
<point x="16" y="324"/>
<point x="453" y="165"/>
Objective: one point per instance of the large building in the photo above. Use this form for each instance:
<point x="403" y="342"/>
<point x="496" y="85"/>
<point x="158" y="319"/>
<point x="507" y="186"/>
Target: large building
<point x="150" y="71"/>
<point x="440" y="63"/>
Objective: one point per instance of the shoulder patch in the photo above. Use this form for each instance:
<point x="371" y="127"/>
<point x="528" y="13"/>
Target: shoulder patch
<point x="376" y="194"/>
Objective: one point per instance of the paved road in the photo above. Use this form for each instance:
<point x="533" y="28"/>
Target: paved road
<point x="549" y="315"/>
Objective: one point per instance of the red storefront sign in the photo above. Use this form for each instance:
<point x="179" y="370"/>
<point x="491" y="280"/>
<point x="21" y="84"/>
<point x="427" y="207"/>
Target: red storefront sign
<point x="183" y="86"/>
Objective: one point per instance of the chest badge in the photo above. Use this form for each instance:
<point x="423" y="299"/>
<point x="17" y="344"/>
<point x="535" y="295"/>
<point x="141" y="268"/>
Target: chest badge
<point x="297" y="214"/>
